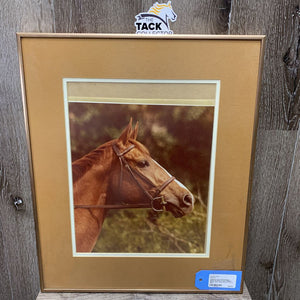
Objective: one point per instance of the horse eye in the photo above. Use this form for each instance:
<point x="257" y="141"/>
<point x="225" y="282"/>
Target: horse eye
<point x="142" y="164"/>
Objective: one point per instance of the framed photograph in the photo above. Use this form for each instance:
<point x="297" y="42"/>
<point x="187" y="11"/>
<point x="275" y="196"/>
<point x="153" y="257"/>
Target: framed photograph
<point x="141" y="150"/>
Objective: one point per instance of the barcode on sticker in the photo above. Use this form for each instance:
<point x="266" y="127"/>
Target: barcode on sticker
<point x="222" y="281"/>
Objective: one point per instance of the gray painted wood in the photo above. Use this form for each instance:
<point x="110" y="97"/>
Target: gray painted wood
<point x="5" y="284"/>
<point x="274" y="151"/>
<point x="144" y="296"/>
<point x="275" y="20"/>
<point x="279" y="20"/>
<point x="272" y="166"/>
<point x="19" y="277"/>
<point x="95" y="16"/>
<point x="200" y="17"/>
<point x="206" y="17"/>
<point x="286" y="274"/>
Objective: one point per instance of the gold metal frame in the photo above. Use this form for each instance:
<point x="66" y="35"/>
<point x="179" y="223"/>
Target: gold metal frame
<point x="72" y="274"/>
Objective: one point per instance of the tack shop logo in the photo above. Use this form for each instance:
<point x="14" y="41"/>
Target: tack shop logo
<point x="156" y="19"/>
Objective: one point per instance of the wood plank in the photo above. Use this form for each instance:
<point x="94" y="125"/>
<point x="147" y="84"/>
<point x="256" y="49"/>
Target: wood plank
<point x="201" y="17"/>
<point x="95" y="16"/>
<point x="286" y="271"/>
<point x="143" y="296"/>
<point x="273" y="160"/>
<point x="19" y="274"/>
<point x="5" y="285"/>
<point x="118" y="16"/>
<point x="275" y="20"/>
<point x="279" y="20"/>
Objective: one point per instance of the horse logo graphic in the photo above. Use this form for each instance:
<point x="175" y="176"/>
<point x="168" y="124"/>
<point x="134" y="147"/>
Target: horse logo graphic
<point x="156" y="19"/>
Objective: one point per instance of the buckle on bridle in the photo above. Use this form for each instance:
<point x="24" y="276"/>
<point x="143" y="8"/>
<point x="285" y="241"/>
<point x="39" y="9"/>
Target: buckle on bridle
<point x="162" y="203"/>
<point x="158" y="203"/>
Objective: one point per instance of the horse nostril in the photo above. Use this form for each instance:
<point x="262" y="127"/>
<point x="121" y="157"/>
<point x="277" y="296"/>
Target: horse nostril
<point x="188" y="200"/>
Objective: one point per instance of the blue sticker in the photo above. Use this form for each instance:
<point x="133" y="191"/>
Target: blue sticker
<point x="218" y="280"/>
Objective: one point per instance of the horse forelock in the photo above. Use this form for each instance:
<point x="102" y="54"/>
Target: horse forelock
<point x="156" y="8"/>
<point x="139" y="146"/>
<point x="85" y="163"/>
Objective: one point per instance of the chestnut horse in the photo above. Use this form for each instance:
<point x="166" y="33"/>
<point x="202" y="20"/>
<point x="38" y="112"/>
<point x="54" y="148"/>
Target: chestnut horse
<point x="121" y="174"/>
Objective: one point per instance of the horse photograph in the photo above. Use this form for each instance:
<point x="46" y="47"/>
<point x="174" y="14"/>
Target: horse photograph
<point x="140" y="177"/>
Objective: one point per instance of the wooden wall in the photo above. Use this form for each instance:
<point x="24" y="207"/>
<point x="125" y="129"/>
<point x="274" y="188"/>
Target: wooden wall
<point x="273" y="256"/>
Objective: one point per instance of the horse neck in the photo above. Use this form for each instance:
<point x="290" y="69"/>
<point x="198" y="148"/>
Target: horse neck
<point x="90" y="189"/>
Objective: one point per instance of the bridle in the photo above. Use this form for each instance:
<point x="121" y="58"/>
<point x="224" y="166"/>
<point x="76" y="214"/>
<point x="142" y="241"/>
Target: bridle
<point x="156" y="200"/>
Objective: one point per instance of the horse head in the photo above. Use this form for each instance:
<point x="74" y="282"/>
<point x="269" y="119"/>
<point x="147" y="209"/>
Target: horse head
<point x="170" y="12"/>
<point x="164" y="11"/>
<point x="136" y="178"/>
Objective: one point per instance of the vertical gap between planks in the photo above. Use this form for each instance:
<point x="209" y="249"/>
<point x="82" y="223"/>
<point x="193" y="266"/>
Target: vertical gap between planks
<point x="283" y="213"/>
<point x="53" y="15"/>
<point x="229" y="17"/>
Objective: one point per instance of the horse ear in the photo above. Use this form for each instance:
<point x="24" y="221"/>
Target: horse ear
<point x="135" y="131"/>
<point x="126" y="134"/>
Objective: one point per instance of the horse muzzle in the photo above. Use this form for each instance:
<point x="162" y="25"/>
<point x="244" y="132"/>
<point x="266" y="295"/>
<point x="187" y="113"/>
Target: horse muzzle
<point x="182" y="207"/>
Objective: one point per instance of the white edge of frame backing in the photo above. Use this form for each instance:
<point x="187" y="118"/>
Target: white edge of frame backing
<point x="206" y="254"/>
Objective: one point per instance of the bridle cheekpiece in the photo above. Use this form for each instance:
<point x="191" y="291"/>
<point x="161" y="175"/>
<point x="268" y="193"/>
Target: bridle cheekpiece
<point x="156" y="200"/>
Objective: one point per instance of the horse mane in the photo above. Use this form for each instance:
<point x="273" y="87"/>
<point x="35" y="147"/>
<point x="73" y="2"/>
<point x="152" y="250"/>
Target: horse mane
<point x="85" y="163"/>
<point x="156" y="8"/>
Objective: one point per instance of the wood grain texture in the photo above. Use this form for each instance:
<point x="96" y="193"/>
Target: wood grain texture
<point x="19" y="268"/>
<point x="144" y="296"/>
<point x="275" y="20"/>
<point x="292" y="75"/>
<point x="286" y="270"/>
<point x="96" y="16"/>
<point x="272" y="166"/>
<point x="278" y="109"/>
<point x="210" y="17"/>
<point x="5" y="283"/>
<point x="201" y="17"/>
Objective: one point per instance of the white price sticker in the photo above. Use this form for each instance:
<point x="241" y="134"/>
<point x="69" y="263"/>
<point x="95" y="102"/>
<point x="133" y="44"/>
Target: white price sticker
<point x="222" y="281"/>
